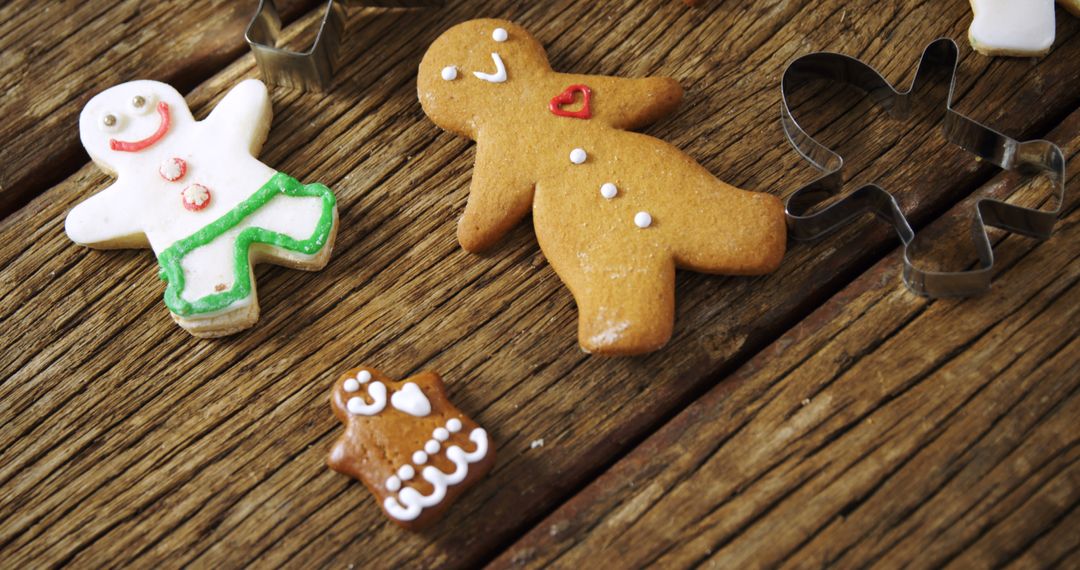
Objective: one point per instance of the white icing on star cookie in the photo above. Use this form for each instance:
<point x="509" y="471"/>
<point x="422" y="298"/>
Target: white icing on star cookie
<point x="1012" y="27"/>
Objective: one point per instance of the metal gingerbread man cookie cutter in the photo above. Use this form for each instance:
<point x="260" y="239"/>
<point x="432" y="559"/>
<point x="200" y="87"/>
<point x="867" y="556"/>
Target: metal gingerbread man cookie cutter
<point x="311" y="69"/>
<point x="1035" y="157"/>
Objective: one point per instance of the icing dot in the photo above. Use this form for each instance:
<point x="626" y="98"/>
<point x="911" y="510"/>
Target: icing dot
<point x="109" y="123"/>
<point x="419" y="458"/>
<point x="499" y="35"/>
<point x="453" y="425"/>
<point x="441" y="434"/>
<point x="363" y="377"/>
<point x="172" y="169"/>
<point x="393" y="483"/>
<point x="642" y="220"/>
<point x="449" y="73"/>
<point x="609" y="190"/>
<point x="406" y="472"/>
<point x="351" y="385"/>
<point x="578" y="156"/>
<point x="195" y="197"/>
<point x="142" y="104"/>
<point x="432" y="447"/>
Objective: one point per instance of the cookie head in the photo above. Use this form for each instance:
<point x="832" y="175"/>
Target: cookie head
<point x="122" y="123"/>
<point x="476" y="70"/>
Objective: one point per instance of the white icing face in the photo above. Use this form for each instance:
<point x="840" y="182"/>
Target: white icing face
<point x="127" y="120"/>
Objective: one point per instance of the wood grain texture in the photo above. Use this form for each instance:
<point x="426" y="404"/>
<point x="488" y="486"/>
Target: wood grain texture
<point x="885" y="428"/>
<point x="55" y="55"/>
<point x="128" y="442"/>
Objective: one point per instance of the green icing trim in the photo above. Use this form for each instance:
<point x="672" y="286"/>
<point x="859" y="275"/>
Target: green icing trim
<point x="279" y="183"/>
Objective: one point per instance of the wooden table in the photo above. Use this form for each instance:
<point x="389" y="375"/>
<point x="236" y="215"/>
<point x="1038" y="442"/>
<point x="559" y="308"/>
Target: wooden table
<point x="819" y="415"/>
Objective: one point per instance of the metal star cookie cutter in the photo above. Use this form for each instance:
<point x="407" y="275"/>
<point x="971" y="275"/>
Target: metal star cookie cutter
<point x="312" y="69"/>
<point x="1031" y="158"/>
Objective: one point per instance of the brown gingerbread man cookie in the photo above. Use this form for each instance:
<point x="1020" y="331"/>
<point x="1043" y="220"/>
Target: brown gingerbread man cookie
<point x="615" y="212"/>
<point x="407" y="443"/>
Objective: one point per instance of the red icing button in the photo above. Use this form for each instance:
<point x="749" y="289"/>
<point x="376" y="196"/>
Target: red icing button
<point x="173" y="169"/>
<point x="196" y="197"/>
<point x="567" y="97"/>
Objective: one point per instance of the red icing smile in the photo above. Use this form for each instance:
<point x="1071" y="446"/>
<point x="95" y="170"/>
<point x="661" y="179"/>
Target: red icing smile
<point x="567" y="97"/>
<point x="136" y="146"/>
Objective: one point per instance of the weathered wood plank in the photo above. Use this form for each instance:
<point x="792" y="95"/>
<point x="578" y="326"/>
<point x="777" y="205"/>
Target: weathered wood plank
<point x="884" y="428"/>
<point x="55" y="55"/>
<point x="127" y="441"/>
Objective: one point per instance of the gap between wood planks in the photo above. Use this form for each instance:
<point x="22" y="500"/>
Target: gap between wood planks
<point x="54" y="57"/>
<point x="567" y="46"/>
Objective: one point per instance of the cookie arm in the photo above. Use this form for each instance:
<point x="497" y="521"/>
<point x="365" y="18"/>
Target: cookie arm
<point x="243" y="116"/>
<point x="500" y="195"/>
<point x="101" y="221"/>
<point x="626" y="103"/>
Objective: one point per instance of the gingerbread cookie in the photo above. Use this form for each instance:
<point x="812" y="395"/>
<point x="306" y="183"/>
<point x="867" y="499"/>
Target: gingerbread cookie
<point x="615" y="212"/>
<point x="1020" y="28"/>
<point x="407" y="443"/>
<point x="194" y="193"/>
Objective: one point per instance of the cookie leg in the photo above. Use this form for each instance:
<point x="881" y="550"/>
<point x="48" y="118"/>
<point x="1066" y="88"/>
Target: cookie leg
<point x="297" y="217"/>
<point x="625" y="310"/>
<point x="735" y="233"/>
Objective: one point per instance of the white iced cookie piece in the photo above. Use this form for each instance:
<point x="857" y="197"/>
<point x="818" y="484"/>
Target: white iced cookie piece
<point x="1012" y="27"/>
<point x="193" y="191"/>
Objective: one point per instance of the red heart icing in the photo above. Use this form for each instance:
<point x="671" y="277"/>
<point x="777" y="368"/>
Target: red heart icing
<point x="567" y="97"/>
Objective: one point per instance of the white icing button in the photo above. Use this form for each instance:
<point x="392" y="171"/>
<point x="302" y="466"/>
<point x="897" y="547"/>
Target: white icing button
<point x="406" y="472"/>
<point x="195" y="197"/>
<point x="393" y="483"/>
<point x="499" y="35"/>
<point x="363" y="377"/>
<point x="608" y="190"/>
<point x="642" y="220"/>
<point x="441" y="434"/>
<point x="432" y="447"/>
<point x="419" y="458"/>
<point x="172" y="169"/>
<point x="351" y="385"/>
<point x="449" y="73"/>
<point x="453" y="425"/>
<point x="578" y="156"/>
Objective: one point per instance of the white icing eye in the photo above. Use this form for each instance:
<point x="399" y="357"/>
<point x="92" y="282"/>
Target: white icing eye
<point x="110" y="122"/>
<point x="142" y="104"/>
<point x="449" y="73"/>
<point x="499" y="35"/>
<point x="363" y="377"/>
<point x="351" y="385"/>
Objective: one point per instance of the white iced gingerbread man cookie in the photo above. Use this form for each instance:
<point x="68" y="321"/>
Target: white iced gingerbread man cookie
<point x="194" y="192"/>
<point x="1015" y="27"/>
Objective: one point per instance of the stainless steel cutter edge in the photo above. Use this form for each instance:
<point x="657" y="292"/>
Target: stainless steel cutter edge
<point x="311" y="69"/>
<point x="1036" y="156"/>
